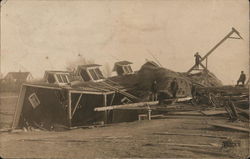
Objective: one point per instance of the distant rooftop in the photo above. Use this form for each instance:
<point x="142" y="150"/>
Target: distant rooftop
<point x="18" y="75"/>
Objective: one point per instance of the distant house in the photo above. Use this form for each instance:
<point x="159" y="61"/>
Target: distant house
<point x="18" y="77"/>
<point x="90" y="72"/>
<point x="123" y="68"/>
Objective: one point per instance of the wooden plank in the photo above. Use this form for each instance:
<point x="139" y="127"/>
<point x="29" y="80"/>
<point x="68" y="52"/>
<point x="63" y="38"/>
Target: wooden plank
<point x="185" y="113"/>
<point x="112" y="99"/>
<point x="179" y="99"/>
<point x="183" y="99"/>
<point x="188" y="134"/>
<point x="126" y="105"/>
<point x="230" y="127"/>
<point x="214" y="112"/>
<point x="19" y="107"/>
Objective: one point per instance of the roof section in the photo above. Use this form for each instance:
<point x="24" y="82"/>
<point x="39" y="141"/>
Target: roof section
<point x="121" y="63"/>
<point x="89" y="65"/>
<point x="97" y="87"/>
<point x="18" y="75"/>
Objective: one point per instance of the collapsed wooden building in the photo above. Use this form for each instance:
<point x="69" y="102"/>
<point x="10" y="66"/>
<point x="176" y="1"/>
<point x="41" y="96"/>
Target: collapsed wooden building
<point x="59" y="101"/>
<point x="70" y="99"/>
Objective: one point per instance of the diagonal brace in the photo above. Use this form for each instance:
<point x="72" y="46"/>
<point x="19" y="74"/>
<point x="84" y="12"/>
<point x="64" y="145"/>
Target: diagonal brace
<point x="77" y="103"/>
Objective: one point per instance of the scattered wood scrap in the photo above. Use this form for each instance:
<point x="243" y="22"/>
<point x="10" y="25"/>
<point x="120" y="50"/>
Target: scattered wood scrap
<point x="243" y="111"/>
<point x="191" y="145"/>
<point x="206" y="151"/>
<point x="52" y="140"/>
<point x="5" y="130"/>
<point x="185" y="134"/>
<point x="230" y="127"/>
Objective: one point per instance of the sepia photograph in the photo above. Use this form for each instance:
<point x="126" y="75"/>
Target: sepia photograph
<point x="124" y="79"/>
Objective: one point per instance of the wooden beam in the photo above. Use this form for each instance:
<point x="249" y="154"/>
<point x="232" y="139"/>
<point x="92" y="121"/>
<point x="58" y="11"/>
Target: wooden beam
<point x="87" y="92"/>
<point x="39" y="86"/>
<point x="77" y="103"/>
<point x="19" y="107"/>
<point x="206" y="62"/>
<point x="121" y="92"/>
<point x="217" y="45"/>
<point x="126" y="105"/>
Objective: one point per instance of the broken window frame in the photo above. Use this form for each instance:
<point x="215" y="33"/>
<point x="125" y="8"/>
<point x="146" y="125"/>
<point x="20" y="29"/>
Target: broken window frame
<point x="34" y="101"/>
<point x="127" y="69"/>
<point x="130" y="69"/>
<point x="84" y="74"/>
<point x="99" y="73"/>
<point x="93" y="74"/>
<point x="60" y="79"/>
<point x="99" y="76"/>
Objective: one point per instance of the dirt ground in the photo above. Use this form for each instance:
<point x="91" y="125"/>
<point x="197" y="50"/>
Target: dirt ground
<point x="139" y="139"/>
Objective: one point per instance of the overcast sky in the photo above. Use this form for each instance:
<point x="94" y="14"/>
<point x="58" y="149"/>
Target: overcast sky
<point x="105" y="31"/>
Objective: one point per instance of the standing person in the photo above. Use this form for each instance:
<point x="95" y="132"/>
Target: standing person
<point x="154" y="90"/>
<point x="242" y="78"/>
<point x="197" y="60"/>
<point x="194" y="91"/>
<point x="174" y="87"/>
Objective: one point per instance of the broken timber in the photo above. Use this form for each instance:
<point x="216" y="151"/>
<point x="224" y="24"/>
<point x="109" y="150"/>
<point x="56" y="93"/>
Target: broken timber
<point x="126" y="105"/>
<point x="231" y="127"/>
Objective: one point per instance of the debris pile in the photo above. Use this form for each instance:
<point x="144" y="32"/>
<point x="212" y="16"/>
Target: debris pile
<point x="205" y="78"/>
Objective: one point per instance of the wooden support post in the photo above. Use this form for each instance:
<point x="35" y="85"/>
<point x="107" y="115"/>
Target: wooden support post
<point x="149" y="114"/>
<point x="19" y="107"/>
<point x="105" y="100"/>
<point x="106" y="111"/>
<point x="69" y="108"/>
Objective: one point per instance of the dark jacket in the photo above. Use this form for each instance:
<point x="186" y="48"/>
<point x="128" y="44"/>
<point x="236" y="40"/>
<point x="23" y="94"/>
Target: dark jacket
<point x="174" y="86"/>
<point x="154" y="87"/>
